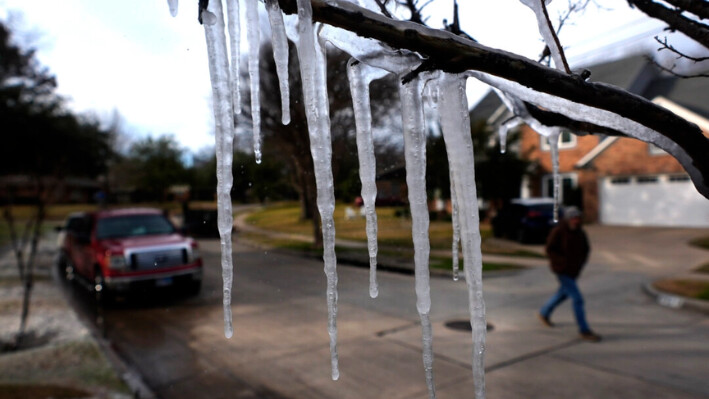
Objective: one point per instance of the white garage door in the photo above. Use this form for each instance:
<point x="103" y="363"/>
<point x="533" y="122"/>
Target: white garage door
<point x="660" y="200"/>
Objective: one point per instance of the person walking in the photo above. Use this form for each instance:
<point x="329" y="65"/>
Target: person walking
<point x="568" y="249"/>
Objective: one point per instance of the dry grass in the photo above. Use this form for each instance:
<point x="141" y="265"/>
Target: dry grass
<point x="393" y="230"/>
<point x="697" y="289"/>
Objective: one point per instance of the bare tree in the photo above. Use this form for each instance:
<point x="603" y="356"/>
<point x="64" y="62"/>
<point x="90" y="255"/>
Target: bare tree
<point x="455" y="54"/>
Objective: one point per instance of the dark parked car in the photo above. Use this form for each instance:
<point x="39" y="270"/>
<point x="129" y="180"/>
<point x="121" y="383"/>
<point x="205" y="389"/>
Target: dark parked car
<point x="119" y="250"/>
<point x="527" y="220"/>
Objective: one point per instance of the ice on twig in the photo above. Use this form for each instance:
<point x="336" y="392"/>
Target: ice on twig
<point x="224" y="128"/>
<point x="546" y="31"/>
<point x="313" y="75"/>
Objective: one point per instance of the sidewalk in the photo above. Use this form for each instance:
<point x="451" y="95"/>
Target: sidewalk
<point x="59" y="356"/>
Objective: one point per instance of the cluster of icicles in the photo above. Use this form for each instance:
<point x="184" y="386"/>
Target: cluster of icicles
<point x="371" y="60"/>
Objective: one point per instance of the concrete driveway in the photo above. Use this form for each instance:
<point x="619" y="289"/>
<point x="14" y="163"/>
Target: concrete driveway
<point x="653" y="250"/>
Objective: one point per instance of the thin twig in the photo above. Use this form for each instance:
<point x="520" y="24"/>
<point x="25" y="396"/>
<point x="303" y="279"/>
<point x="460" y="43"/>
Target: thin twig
<point x="667" y="46"/>
<point x="672" y="72"/>
<point x="383" y="9"/>
<point x="556" y="38"/>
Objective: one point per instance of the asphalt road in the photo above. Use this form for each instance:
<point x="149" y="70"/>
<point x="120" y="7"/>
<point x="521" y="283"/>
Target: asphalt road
<point x="280" y="343"/>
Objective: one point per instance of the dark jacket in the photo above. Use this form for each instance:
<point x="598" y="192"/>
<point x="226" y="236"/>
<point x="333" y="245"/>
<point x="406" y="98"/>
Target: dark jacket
<point x="567" y="249"/>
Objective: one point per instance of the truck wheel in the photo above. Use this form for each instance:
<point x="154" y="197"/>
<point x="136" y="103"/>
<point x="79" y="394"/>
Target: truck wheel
<point x="194" y="288"/>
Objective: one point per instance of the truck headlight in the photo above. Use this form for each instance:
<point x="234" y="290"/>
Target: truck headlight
<point x="193" y="255"/>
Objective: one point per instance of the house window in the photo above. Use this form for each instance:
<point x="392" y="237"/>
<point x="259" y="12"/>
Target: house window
<point x="620" y="180"/>
<point x="647" y="179"/>
<point x="566" y="140"/>
<point x="678" y="178"/>
<point x="655" y="150"/>
<point x="569" y="193"/>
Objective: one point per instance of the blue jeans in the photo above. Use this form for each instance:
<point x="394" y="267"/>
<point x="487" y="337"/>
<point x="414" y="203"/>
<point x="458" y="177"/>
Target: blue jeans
<point x="567" y="288"/>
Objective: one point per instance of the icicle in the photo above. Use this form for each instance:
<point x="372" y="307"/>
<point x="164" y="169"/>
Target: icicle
<point x="554" y="149"/>
<point x="503" y="129"/>
<point x="317" y="112"/>
<point x="360" y="76"/>
<point x="434" y="95"/>
<point x="456" y="227"/>
<point x="173" y="7"/>
<point x="415" y="155"/>
<point x="234" y="25"/>
<point x="253" y="36"/>
<point x="545" y="31"/>
<point x="280" y="55"/>
<point x="455" y="123"/>
<point x="224" y="128"/>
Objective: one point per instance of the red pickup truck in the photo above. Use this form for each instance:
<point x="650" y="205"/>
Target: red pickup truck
<point x="115" y="251"/>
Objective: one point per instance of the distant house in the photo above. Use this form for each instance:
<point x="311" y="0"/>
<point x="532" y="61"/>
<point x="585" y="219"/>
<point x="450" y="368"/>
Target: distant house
<point x="619" y="181"/>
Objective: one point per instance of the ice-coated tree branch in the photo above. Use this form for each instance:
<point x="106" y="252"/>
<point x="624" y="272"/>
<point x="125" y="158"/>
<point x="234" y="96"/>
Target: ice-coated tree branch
<point x="556" y="37"/>
<point x="698" y="8"/>
<point x="456" y="54"/>
<point x="675" y="20"/>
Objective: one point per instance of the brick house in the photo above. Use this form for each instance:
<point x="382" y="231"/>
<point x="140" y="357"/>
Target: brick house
<point x="619" y="181"/>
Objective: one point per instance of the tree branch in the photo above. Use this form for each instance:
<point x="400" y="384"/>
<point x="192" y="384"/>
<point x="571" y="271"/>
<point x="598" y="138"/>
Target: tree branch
<point x="698" y="8"/>
<point x="675" y="20"/>
<point x="667" y="46"/>
<point x="672" y="72"/>
<point x="455" y="54"/>
<point x="556" y="38"/>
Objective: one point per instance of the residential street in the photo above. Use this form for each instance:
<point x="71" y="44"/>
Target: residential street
<point x="280" y="343"/>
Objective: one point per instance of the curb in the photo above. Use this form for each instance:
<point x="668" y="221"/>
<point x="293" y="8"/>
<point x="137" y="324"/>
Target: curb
<point x="383" y="264"/>
<point x="675" y="301"/>
<point x="129" y="376"/>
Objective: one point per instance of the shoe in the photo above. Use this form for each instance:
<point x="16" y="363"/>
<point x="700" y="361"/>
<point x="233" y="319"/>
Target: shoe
<point x="590" y="336"/>
<point x="545" y="320"/>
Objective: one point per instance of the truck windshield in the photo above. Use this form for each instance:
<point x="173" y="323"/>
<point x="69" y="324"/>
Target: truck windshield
<point x="133" y="225"/>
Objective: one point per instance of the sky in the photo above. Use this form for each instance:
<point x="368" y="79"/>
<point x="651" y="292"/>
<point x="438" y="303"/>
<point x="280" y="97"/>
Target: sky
<point x="134" y="58"/>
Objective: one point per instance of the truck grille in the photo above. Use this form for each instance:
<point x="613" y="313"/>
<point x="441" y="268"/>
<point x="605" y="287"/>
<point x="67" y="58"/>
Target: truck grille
<point x="157" y="258"/>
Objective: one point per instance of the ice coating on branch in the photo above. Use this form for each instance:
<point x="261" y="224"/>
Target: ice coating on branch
<point x="546" y="31"/>
<point x="253" y="36"/>
<point x="455" y="123"/>
<point x="360" y="76"/>
<point x="173" y="7"/>
<point x="280" y="55"/>
<point x="415" y="156"/>
<point x="554" y="149"/>
<point x="224" y="135"/>
<point x="371" y="52"/>
<point x="232" y="7"/>
<point x="313" y="75"/>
